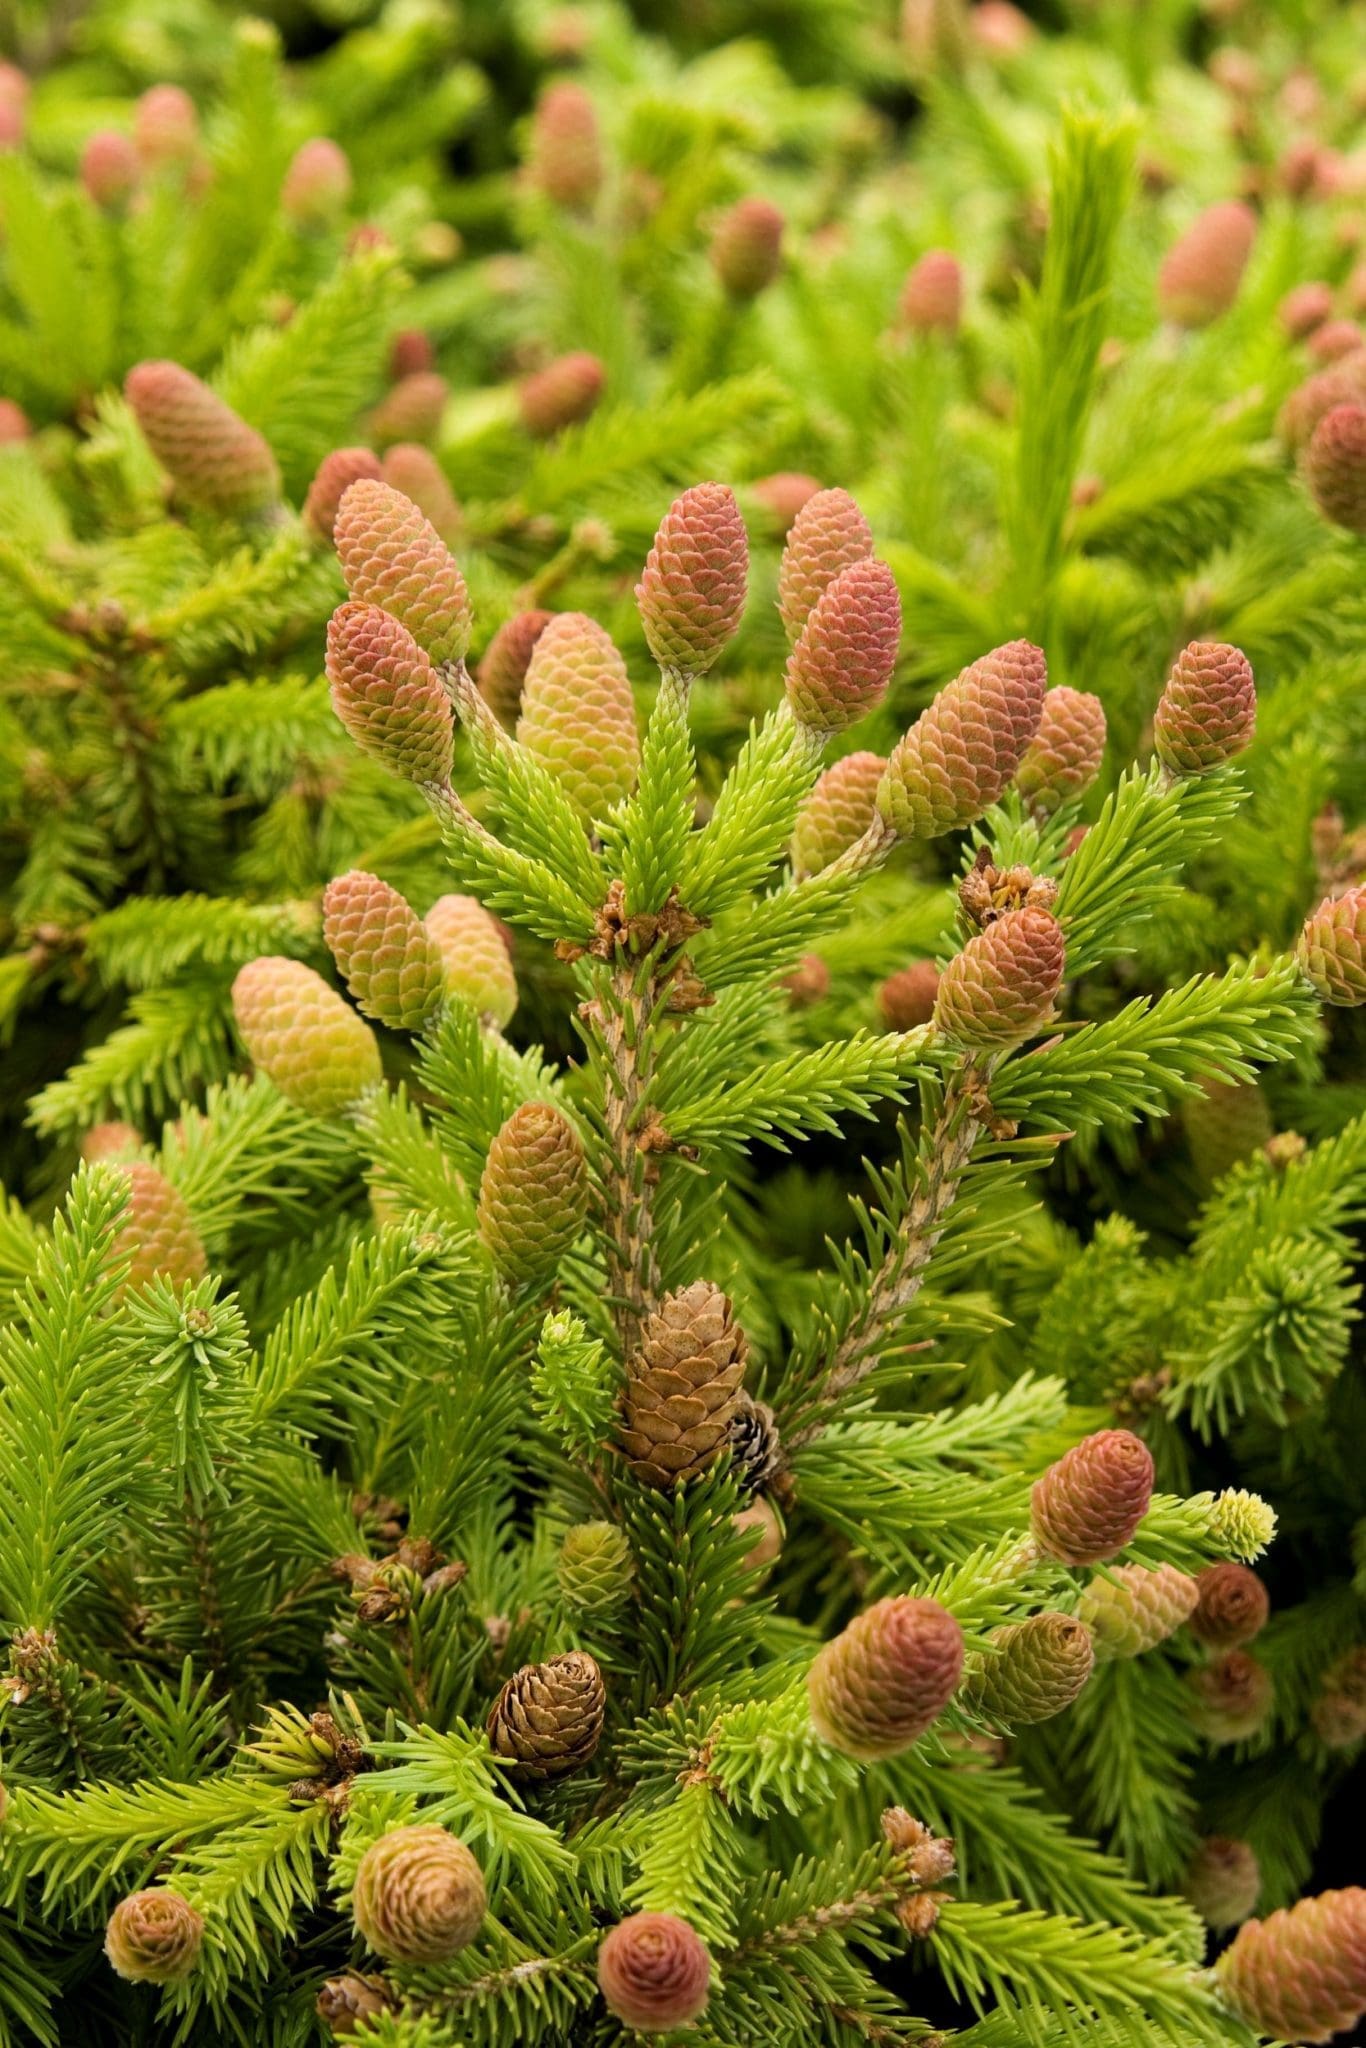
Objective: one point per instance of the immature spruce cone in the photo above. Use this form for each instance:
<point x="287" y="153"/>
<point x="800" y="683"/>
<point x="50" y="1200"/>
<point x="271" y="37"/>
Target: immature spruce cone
<point x="962" y="751"/>
<point x="154" y="1937"/>
<point x="318" y="1052"/>
<point x="214" y="458"/>
<point x="1331" y="949"/>
<point x="841" y="666"/>
<point x="1003" y="984"/>
<point x="1065" y="754"/>
<point x="828" y="534"/>
<point x="1039" y="1667"/>
<point x="1088" y="1505"/>
<point x="756" y="1454"/>
<point x="931" y="299"/>
<point x="502" y="671"/>
<point x="578" y="714"/>
<point x="1305" y="307"/>
<point x="682" y="1386"/>
<point x="876" y="1688"/>
<point x="414" y="471"/>
<point x="1335" y="467"/>
<point x="1232" y="1696"/>
<point x="547" y="1720"/>
<point x="15" y="424"/>
<point x="561" y="395"/>
<point x="411" y="410"/>
<point x="1342" y="383"/>
<point x="113" y="1140"/>
<point x="595" y="1570"/>
<point x="1300" y="1974"/>
<point x="747" y="247"/>
<point x="1226" y="1122"/>
<point x="1339" y="1712"/>
<point x="317" y="184"/>
<point x="1133" y="1608"/>
<point x="336" y="473"/>
<point x="907" y="998"/>
<point x="419" y="1895"/>
<point x="386" y="694"/>
<point x="1336" y="340"/>
<point x="474" y="956"/>
<point x="783" y="495"/>
<point x="566" y="149"/>
<point x="410" y="351"/>
<point x="14" y="98"/>
<point x="533" y="1193"/>
<point x="346" y="2002"/>
<point x="165" y="126"/>
<point x="1208" y="711"/>
<point x="1222" y="1881"/>
<point x="388" y="958"/>
<point x="653" y="1972"/>
<point x="1231" y="1606"/>
<point x="838" y="811"/>
<point x="691" y="595"/>
<point x="1201" y="272"/>
<point x="110" y="168"/>
<point x="392" y="556"/>
<point x="157" y="1236"/>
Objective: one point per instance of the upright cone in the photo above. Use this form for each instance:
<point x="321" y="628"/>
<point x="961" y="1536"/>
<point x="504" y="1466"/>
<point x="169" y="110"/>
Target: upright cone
<point x="578" y="714"/>
<point x="691" y="594"/>
<point x="534" y="1192"/>
<point x="962" y="752"/>
<point x="318" y="1052"/>
<point x="1089" y="1504"/>
<point x="654" y="1971"/>
<point x="1300" y="1974"/>
<point x="876" y="1688"/>
<point x="392" y="556"/>
<point x="828" y="534"/>
<point x="418" y="1896"/>
<point x="547" y="1720"/>
<point x="215" y="459"/>
<point x="682" y="1386"/>
<point x="389" y="960"/>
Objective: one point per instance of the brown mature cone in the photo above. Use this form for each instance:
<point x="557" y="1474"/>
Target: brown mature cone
<point x="682" y="1386"/>
<point x="154" y="1937"/>
<point x="1231" y="1606"/>
<point x="1065" y="754"/>
<point x="419" y="1895"/>
<point x="691" y="595"/>
<point x="345" y="2003"/>
<point x="1300" y="1974"/>
<point x="907" y="999"/>
<point x="1088" y="1505"/>
<point x="1232" y="1697"/>
<point x="158" y="1236"/>
<point x="533" y="1193"/>
<point x="1004" y="983"/>
<point x="547" y="1720"/>
<point x="502" y="671"/>
<point x="1331" y="949"/>
<point x="654" y="1971"/>
<point x="828" y="534"/>
<point x="1222" y="1881"/>
<point x="876" y="1688"/>
<point x="1335" y="467"/>
<point x="336" y="473"/>
<point x="1208" y="711"/>
<point x="838" y="811"/>
<point x="962" y="751"/>
<point x="1201" y="273"/>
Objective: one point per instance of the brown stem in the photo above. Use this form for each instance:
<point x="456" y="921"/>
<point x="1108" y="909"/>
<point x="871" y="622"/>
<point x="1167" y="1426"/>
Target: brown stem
<point x="624" y="1020"/>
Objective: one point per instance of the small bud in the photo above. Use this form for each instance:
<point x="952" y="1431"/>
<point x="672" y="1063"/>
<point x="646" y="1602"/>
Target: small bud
<point x="783" y="495"/>
<point x="1222" y="1881"/>
<point x="111" y="1141"/>
<point x="336" y="473"/>
<point x="14" y="423"/>
<point x="596" y="1571"/>
<point x="154" y="1937"/>
<point x="1300" y="1974"/>
<point x="808" y="982"/>
<point x="414" y="471"/>
<point x="1339" y="1713"/>
<point x="1089" y="1504"/>
<point x="838" y="811"/>
<point x="566" y="146"/>
<point x="502" y="671"/>
<point x="654" y="1972"/>
<point x="1331" y="949"/>
<point x="385" y="692"/>
<point x="1038" y="1669"/>
<point x="561" y="395"/>
<point x="1231" y="1606"/>
<point x="298" y="1031"/>
<point x="1003" y="984"/>
<point x="475" y="962"/>
<point x="962" y="751"/>
<point x="419" y="1895"/>
<point x="1342" y="383"/>
<point x="691" y="595"/>
<point x="876" y="1688"/>
<point x="1335" y="340"/>
<point x="1065" y="754"/>
<point x="392" y="556"/>
<point x="828" y="534"/>
<point x="907" y="999"/>
<point x="533" y="1193"/>
<point x="1335" y="467"/>
<point x="317" y="184"/>
<point x="214" y="458"/>
<point x="1241" y="1523"/>
<point x="412" y="411"/>
<point x="578" y="714"/>
<point x="110" y="168"/>
<point x="158" y="1236"/>
<point x="165" y="126"/>
<point x="747" y="247"/>
<point x="840" y="667"/>
<point x="931" y="299"/>
<point x="547" y="1720"/>
<point x="1208" y="711"/>
<point x="1131" y="1608"/>
<point x="410" y="351"/>
<point x="1232" y="1697"/>
<point x="387" y="957"/>
<point x="1201" y="273"/>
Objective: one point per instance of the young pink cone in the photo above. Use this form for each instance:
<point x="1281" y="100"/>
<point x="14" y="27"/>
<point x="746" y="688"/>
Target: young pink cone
<point x="838" y="811"/>
<point x="1342" y="383"/>
<point x="1222" y="1881"/>
<point x="110" y="168"/>
<point x="502" y="671"/>
<point x="410" y="351"/>
<point x="412" y="411"/>
<point x="1231" y="1606"/>
<point x="1331" y="949"/>
<point x="214" y="458"/>
<point x="475" y="962"/>
<point x="654" y="1971"/>
<point x="1089" y="1504"/>
<point x="561" y="395"/>
<point x="15" y="424"/>
<point x="534" y="1192"/>
<point x="578" y="714"/>
<point x="1003" y="984"/>
<point x="1300" y="1974"/>
<point x="1201" y="273"/>
<point x="1232" y="1697"/>
<point x="336" y="473"/>
<point x="112" y="1141"/>
<point x="391" y="555"/>
<point x="1304" y="308"/>
<point x="1335" y="467"/>
<point x="157" y="1235"/>
<point x="876" y="1688"/>
<point x="783" y="495"/>
<point x="1208" y="711"/>
<point x="828" y="534"/>
<point x="317" y="184"/>
<point x="303" y="1036"/>
<point x="747" y="247"/>
<point x="385" y="692"/>
<point x="566" y="146"/>
<point x="907" y="998"/>
<point x="962" y="751"/>
<point x="840" y="667"/>
<point x="1065" y="754"/>
<point x="165" y="126"/>
<point x="1335" y="340"/>
<point x="415" y="472"/>
<point x="14" y="98"/>
<point x="387" y="957"/>
<point x="691" y="594"/>
<point x="931" y="299"/>
<point x="154" y="1937"/>
<point x="1132" y="1608"/>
